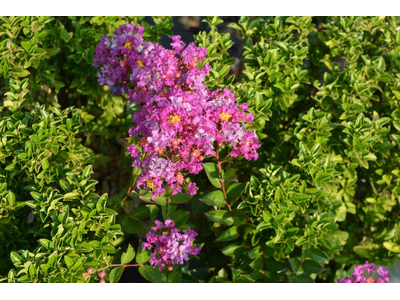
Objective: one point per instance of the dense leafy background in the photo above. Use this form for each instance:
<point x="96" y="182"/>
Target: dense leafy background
<point x="323" y="196"/>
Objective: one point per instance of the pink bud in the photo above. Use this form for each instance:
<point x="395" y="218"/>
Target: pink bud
<point x="170" y="268"/>
<point x="85" y="275"/>
<point x="102" y="281"/>
<point x="90" y="271"/>
<point x="102" y="274"/>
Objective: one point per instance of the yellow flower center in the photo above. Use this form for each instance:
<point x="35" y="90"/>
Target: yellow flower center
<point x="225" y="116"/>
<point x="150" y="184"/>
<point x="248" y="143"/>
<point x="128" y="45"/>
<point x="140" y="63"/>
<point x="174" y="118"/>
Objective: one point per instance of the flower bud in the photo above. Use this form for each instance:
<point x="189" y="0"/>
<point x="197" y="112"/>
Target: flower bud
<point x="90" y="271"/>
<point x="85" y="275"/>
<point x="175" y="143"/>
<point x="102" y="281"/>
<point x="102" y="274"/>
<point x="177" y="75"/>
<point x="170" y="268"/>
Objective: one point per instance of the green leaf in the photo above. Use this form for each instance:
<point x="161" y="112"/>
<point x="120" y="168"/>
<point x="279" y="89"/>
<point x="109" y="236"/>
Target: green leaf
<point x="141" y="212"/>
<point x="310" y="266"/>
<point x="45" y="163"/>
<point x="45" y="268"/>
<point x="24" y="278"/>
<point x="215" y="198"/>
<point x="150" y="273"/>
<point x="130" y="225"/>
<point x="116" y="274"/>
<point x="317" y="255"/>
<point x="11" y="198"/>
<point x="370" y="156"/>
<point x="230" y="175"/>
<point x="11" y="166"/>
<point x="294" y="264"/>
<point x="142" y="256"/>
<point x="45" y="243"/>
<point x="153" y="212"/>
<point x="87" y="171"/>
<point x="179" y="198"/>
<point x="220" y="216"/>
<point x="234" y="249"/>
<point x="303" y="278"/>
<point x="224" y="71"/>
<point x="212" y="172"/>
<point x="102" y="200"/>
<point x="174" y="277"/>
<point x="229" y="235"/>
<point x="235" y="191"/>
<point x="263" y="225"/>
<point x="392" y="247"/>
<point x="73" y="195"/>
<point x="128" y="256"/>
<point x="179" y="217"/>
<point x="68" y="261"/>
<point x="15" y="258"/>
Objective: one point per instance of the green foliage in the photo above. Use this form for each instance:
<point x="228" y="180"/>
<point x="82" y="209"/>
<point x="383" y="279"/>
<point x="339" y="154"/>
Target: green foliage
<point x="325" y="95"/>
<point x="48" y="201"/>
<point x="49" y="60"/>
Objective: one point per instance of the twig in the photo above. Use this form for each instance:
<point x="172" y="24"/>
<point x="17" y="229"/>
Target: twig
<point x="298" y="268"/>
<point x="223" y="186"/>
<point x="166" y="208"/>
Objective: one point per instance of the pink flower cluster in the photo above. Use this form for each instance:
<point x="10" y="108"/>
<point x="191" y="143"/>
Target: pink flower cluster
<point x="180" y="119"/>
<point x="170" y="246"/>
<point x="359" y="274"/>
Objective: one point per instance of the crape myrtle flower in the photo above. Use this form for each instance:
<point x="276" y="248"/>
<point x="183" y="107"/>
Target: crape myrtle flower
<point x="170" y="246"/>
<point x="180" y="121"/>
<point x="360" y="277"/>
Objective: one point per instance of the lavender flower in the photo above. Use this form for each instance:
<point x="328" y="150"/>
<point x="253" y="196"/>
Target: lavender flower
<point x="359" y="274"/>
<point x="170" y="246"/>
<point x="180" y="119"/>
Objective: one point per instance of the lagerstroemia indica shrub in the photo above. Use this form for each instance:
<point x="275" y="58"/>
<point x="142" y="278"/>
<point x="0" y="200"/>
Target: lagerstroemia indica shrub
<point x="286" y="171"/>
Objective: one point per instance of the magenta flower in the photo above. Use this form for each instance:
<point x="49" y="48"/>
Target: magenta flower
<point x="170" y="246"/>
<point x="180" y="121"/>
<point x="359" y="274"/>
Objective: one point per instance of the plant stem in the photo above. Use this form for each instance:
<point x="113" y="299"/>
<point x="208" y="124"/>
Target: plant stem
<point x="301" y="263"/>
<point x="223" y="186"/>
<point x="166" y="208"/>
<point x="222" y="181"/>
<point x="132" y="183"/>
<point x="130" y="187"/>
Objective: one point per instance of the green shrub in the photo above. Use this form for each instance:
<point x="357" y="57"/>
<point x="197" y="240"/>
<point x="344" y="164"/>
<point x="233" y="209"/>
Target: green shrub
<point x="325" y="92"/>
